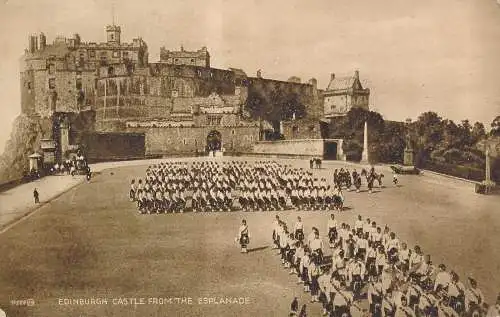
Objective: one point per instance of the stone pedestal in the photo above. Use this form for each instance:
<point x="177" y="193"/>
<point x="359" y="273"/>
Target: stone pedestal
<point x="409" y="157"/>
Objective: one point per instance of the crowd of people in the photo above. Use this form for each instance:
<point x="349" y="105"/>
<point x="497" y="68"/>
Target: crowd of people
<point x="372" y="272"/>
<point x="215" y="186"/>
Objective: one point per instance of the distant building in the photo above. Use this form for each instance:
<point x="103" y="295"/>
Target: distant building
<point x="344" y="93"/>
<point x="196" y="58"/>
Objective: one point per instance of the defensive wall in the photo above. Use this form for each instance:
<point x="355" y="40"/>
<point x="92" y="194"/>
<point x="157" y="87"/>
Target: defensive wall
<point x="297" y="148"/>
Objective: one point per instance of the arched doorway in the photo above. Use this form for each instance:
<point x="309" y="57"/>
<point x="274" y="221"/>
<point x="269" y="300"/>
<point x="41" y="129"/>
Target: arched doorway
<point x="214" y="141"/>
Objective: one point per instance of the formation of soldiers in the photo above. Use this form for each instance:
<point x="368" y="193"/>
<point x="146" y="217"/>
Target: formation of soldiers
<point x="216" y="186"/>
<point x="344" y="178"/>
<point x="372" y="272"/>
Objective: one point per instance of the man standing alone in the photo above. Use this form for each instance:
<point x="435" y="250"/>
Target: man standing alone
<point x="36" y="196"/>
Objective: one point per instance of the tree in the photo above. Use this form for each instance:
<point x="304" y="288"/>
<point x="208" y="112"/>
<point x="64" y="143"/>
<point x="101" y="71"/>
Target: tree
<point x="495" y="127"/>
<point x="478" y="132"/>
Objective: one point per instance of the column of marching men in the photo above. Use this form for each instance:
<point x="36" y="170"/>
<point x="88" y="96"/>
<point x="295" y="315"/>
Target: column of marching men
<point x="214" y="186"/>
<point x="372" y="272"/>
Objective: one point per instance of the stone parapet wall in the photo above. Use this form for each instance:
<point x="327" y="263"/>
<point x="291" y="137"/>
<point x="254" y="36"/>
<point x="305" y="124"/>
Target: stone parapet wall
<point x="311" y="147"/>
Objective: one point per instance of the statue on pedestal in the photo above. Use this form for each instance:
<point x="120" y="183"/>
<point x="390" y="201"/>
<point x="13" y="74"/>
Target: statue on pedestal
<point x="409" y="154"/>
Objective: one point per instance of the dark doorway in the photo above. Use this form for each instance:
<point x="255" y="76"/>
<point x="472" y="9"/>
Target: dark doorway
<point x="330" y="151"/>
<point x="214" y="141"/>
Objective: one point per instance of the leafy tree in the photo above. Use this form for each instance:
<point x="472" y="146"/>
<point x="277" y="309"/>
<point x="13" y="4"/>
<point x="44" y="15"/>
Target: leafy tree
<point x="478" y="132"/>
<point x="495" y="127"/>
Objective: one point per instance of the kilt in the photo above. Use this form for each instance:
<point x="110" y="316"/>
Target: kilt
<point x="332" y="234"/>
<point x="299" y="234"/>
<point x="282" y="201"/>
<point x="243" y="202"/>
<point x="361" y="252"/>
<point x="244" y="240"/>
<point x="371" y="267"/>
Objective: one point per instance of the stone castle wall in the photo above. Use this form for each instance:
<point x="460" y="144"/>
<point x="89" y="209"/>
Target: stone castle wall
<point x="189" y="140"/>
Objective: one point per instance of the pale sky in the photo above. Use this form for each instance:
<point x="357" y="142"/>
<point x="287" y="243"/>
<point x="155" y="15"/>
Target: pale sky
<point x="416" y="56"/>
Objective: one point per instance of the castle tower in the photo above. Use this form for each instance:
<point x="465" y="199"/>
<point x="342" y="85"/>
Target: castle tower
<point x="113" y="34"/>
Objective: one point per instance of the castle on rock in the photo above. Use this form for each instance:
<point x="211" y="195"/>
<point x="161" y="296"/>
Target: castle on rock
<point x="109" y="99"/>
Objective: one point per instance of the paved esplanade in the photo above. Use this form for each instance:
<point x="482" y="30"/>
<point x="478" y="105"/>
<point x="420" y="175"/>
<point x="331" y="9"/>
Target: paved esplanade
<point x="92" y="242"/>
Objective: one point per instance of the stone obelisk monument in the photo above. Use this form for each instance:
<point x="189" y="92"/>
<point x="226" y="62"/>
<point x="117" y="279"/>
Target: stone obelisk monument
<point x="364" y="156"/>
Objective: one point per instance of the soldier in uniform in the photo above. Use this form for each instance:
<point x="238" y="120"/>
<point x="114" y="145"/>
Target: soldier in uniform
<point x="243" y="235"/>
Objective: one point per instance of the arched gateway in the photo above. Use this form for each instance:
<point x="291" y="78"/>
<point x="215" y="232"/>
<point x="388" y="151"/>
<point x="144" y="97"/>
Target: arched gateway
<point x="214" y="141"/>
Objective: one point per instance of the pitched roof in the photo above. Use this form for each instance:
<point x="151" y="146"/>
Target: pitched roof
<point x="340" y="83"/>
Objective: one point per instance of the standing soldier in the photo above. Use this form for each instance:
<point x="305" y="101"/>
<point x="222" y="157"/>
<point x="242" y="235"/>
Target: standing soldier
<point x="36" y="196"/>
<point x="243" y="236"/>
<point x="299" y="229"/>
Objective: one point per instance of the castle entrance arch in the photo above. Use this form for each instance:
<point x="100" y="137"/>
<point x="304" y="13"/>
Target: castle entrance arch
<point x="214" y="141"/>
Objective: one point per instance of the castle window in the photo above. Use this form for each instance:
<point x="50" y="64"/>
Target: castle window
<point x="116" y="54"/>
<point x="52" y="83"/>
<point x="176" y="60"/>
<point x="92" y="53"/>
<point x="184" y="141"/>
<point x="192" y="60"/>
<point x="232" y="132"/>
<point x="28" y="84"/>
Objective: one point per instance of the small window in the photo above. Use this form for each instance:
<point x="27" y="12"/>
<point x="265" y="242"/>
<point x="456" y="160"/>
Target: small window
<point x="52" y="69"/>
<point x="184" y="141"/>
<point x="116" y="54"/>
<point x="92" y="53"/>
<point x="125" y="54"/>
<point x="52" y="83"/>
<point x="28" y="84"/>
<point x="112" y="36"/>
<point x="192" y="60"/>
<point x="176" y="60"/>
<point x="232" y="132"/>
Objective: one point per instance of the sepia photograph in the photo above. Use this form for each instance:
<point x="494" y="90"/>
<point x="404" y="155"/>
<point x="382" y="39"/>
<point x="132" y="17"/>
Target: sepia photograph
<point x="282" y="158"/>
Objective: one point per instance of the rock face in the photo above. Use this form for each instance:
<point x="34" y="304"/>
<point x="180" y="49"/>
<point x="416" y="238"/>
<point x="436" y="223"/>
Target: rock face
<point x="24" y="140"/>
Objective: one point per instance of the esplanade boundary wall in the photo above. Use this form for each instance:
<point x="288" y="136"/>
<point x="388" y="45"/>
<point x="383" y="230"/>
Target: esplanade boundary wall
<point x="321" y="148"/>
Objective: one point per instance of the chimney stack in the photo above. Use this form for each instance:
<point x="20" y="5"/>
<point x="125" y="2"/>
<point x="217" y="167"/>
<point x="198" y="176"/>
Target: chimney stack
<point x="332" y="76"/>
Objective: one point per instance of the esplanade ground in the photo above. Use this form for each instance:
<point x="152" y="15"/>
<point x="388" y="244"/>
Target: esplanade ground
<point x="91" y="243"/>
